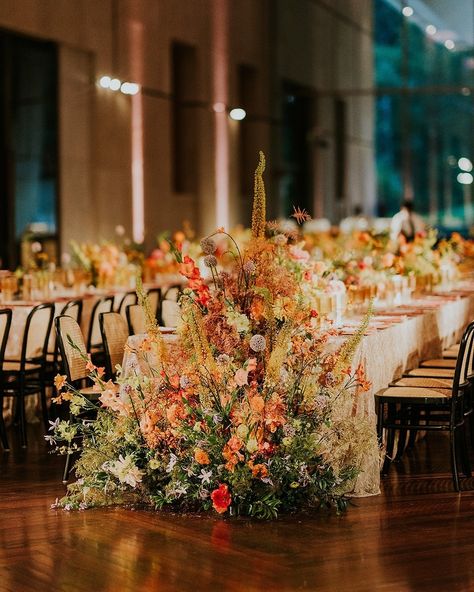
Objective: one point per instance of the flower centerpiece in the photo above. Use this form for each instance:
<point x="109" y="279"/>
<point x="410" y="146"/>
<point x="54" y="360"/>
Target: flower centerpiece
<point x="247" y="414"/>
<point x="108" y="264"/>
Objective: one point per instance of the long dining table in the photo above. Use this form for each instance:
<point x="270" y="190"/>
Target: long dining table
<point x="397" y="340"/>
<point x="22" y="308"/>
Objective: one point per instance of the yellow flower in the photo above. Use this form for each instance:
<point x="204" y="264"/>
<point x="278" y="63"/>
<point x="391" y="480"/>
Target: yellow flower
<point x="60" y="381"/>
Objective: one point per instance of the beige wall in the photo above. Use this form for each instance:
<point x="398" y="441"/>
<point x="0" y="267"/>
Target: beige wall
<point x="131" y="39"/>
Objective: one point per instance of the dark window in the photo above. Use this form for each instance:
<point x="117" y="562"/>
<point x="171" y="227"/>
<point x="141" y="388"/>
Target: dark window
<point x="184" y="85"/>
<point x="296" y="174"/>
<point x="28" y="149"/>
<point x="340" y="152"/>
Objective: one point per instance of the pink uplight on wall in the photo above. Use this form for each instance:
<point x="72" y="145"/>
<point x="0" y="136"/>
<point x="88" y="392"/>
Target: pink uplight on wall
<point x="138" y="191"/>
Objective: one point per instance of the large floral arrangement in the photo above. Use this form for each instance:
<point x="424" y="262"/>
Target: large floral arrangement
<point x="247" y="414"/>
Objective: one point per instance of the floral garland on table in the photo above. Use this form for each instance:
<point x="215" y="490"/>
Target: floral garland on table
<point x="246" y="414"/>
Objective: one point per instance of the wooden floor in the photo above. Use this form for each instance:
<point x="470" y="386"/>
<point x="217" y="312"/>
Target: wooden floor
<point x="418" y="535"/>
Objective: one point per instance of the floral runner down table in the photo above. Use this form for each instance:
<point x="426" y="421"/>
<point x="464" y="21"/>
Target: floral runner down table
<point x="396" y="340"/>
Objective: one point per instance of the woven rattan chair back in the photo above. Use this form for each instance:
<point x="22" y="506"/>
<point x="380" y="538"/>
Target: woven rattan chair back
<point x="73" y="309"/>
<point x="114" y="331"/>
<point x="94" y="337"/>
<point x="136" y="319"/>
<point x="128" y="298"/>
<point x="74" y="361"/>
<point x="36" y="334"/>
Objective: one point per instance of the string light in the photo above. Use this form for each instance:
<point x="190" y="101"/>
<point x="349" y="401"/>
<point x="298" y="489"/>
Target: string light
<point x="431" y="30"/>
<point x="465" y="178"/>
<point x="449" y="44"/>
<point x="237" y="114"/>
<point x="407" y="11"/>
<point x="465" y="164"/>
<point x="114" y="84"/>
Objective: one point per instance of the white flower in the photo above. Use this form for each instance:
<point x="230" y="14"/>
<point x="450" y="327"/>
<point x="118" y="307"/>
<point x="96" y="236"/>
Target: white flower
<point x="205" y="476"/>
<point x="125" y="470"/>
<point x="172" y="462"/>
<point x="238" y="320"/>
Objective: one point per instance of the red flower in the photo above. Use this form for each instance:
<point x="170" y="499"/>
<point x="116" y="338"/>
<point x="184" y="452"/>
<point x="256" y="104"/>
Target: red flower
<point x="221" y="498"/>
<point x="189" y="269"/>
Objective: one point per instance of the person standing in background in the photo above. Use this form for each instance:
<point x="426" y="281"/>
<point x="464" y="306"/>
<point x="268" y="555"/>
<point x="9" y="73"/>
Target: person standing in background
<point x="406" y="222"/>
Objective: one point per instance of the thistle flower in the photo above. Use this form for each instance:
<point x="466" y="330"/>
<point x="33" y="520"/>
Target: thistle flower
<point x="258" y="343"/>
<point x="208" y="246"/>
<point x="249" y="267"/>
<point x="210" y="261"/>
<point x="184" y="382"/>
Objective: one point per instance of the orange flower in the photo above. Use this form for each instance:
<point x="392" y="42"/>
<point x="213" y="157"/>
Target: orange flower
<point x="361" y="378"/>
<point x="221" y="498"/>
<point x="259" y="471"/>
<point x="257" y="308"/>
<point x="60" y="381"/>
<point x="90" y="366"/>
<point x="231" y="453"/>
<point x="257" y="404"/>
<point x="201" y="457"/>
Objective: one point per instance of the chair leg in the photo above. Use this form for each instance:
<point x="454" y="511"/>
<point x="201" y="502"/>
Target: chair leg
<point x="21" y="409"/>
<point x="3" y="429"/>
<point x="402" y="435"/>
<point x="454" y="466"/>
<point x="390" y="440"/>
<point x="415" y="417"/>
<point x="466" y="463"/>
<point x="44" y="405"/>
<point x="471" y="428"/>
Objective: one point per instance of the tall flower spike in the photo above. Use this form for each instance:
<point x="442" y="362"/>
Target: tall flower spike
<point x="259" y="201"/>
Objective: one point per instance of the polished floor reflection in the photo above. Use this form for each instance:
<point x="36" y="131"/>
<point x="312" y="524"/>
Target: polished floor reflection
<point x="418" y="535"/>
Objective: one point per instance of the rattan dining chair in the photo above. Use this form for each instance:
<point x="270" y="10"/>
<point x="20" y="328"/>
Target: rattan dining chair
<point x="74" y="362"/>
<point x="26" y="376"/>
<point x="128" y="298"/>
<point x="5" y="324"/>
<point x="136" y="319"/>
<point x="114" y="331"/>
<point x="168" y="305"/>
<point x="94" y="338"/>
<point x="436" y="407"/>
<point x="73" y="308"/>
